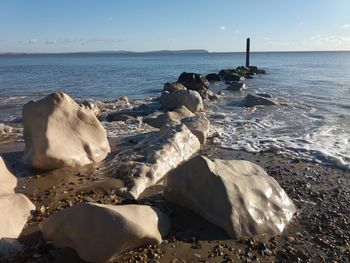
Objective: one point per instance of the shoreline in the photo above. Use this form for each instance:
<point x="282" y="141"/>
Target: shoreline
<point x="317" y="233"/>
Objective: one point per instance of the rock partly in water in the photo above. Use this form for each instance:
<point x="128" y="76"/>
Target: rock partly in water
<point x="98" y="233"/>
<point x="213" y="77"/>
<point x="188" y="98"/>
<point x="237" y="86"/>
<point x="8" y="181"/>
<point x="169" y="117"/>
<point x="254" y="100"/>
<point x="170" y="87"/>
<point x="153" y="157"/>
<point x="193" y="81"/>
<point x="238" y="196"/>
<point x="199" y="125"/>
<point x="58" y="132"/>
<point x="15" y="210"/>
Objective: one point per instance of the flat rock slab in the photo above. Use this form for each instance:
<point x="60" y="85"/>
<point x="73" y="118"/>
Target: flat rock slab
<point x="99" y="232"/>
<point x="152" y="158"/>
<point x="238" y="196"/>
<point x="254" y="100"/>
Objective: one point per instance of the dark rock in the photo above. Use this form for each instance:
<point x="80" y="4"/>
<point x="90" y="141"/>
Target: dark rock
<point x="213" y="77"/>
<point x="265" y="95"/>
<point x="237" y="86"/>
<point x="253" y="100"/>
<point x="173" y="86"/>
<point x="194" y="81"/>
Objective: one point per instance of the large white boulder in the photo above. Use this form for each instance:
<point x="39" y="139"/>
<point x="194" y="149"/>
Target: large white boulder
<point x="152" y="158"/>
<point x="8" y="181"/>
<point x="238" y="196"/>
<point x="100" y="232"/>
<point x="191" y="99"/>
<point x="58" y="132"/>
<point x="15" y="210"/>
<point x="169" y="117"/>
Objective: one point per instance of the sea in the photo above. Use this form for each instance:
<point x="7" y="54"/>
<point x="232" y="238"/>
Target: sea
<point x="311" y="122"/>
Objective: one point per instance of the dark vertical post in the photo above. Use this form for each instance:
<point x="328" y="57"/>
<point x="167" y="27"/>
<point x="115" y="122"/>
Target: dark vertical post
<point x="247" y="54"/>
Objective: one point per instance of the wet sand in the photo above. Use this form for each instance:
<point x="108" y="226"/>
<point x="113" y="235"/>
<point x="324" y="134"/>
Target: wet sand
<point x="319" y="231"/>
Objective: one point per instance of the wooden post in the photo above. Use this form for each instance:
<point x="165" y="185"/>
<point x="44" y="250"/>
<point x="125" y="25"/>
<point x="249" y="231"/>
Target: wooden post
<point x="247" y="54"/>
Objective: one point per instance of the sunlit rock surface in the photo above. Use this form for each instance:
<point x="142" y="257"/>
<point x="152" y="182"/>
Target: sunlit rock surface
<point x="58" y="132"/>
<point x="169" y="117"/>
<point x="199" y="125"/>
<point x="238" y="196"/>
<point x="8" y="181"/>
<point x="15" y="210"/>
<point x="150" y="159"/>
<point x="100" y="232"/>
<point x="189" y="98"/>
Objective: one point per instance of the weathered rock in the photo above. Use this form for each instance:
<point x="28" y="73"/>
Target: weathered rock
<point x="58" y="132"/>
<point x="101" y="232"/>
<point x="238" y="196"/>
<point x="169" y="117"/>
<point x="213" y="77"/>
<point x="237" y="86"/>
<point x="119" y="116"/>
<point x="253" y="100"/>
<point x="91" y="105"/>
<point x="188" y="98"/>
<point x="170" y="87"/>
<point x="8" y="181"/>
<point x="128" y="114"/>
<point x="199" y="125"/>
<point x="193" y="81"/>
<point x="153" y="157"/>
<point x="208" y="94"/>
<point x="232" y="77"/>
<point x="15" y="210"/>
<point x="224" y="72"/>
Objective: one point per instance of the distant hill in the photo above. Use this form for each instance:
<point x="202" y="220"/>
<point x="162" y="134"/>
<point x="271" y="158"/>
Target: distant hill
<point x="192" y="51"/>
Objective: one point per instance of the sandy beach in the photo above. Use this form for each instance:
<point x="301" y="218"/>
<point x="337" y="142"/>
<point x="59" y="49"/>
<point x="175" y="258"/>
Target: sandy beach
<point x="318" y="232"/>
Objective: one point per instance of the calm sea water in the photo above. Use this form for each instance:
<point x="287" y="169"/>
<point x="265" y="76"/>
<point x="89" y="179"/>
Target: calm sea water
<point x="313" y="122"/>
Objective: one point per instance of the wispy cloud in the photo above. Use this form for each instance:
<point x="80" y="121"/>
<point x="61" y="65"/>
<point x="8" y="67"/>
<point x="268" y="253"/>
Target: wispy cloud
<point x="110" y="19"/>
<point x="330" y="40"/>
<point x="50" y="42"/>
<point x="222" y="28"/>
<point x="172" y="40"/>
<point x="33" y="41"/>
<point x="345" y="26"/>
<point x="85" y="41"/>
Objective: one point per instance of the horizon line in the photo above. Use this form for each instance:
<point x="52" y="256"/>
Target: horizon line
<point x="164" y="51"/>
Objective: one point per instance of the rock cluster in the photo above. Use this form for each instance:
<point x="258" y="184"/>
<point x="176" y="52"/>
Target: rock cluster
<point x="236" y="195"/>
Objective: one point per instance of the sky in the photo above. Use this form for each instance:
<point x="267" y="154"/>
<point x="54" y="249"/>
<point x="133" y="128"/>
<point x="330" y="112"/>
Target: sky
<point x="145" y="25"/>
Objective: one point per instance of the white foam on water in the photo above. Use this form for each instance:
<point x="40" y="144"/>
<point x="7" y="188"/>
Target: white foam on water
<point x="10" y="134"/>
<point x="327" y="144"/>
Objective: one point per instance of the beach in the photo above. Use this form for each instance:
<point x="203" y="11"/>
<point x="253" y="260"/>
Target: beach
<point x="301" y="143"/>
<point x="319" y="231"/>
